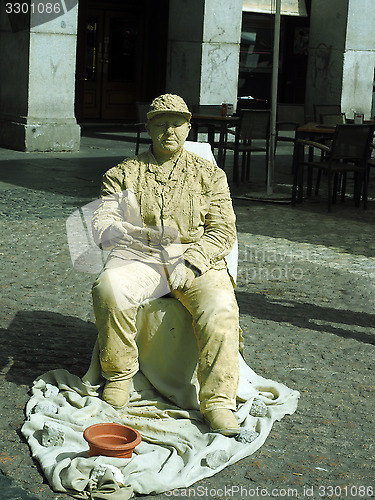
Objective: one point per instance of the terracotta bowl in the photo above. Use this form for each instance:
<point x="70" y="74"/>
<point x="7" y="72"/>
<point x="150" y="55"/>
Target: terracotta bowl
<point x="112" y="440"/>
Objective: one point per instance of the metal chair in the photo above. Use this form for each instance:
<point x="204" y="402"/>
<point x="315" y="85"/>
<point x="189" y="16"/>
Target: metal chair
<point x="254" y="124"/>
<point x="371" y="161"/>
<point x="142" y="109"/>
<point x="349" y="152"/>
<point x="139" y="126"/>
<point x="333" y="119"/>
<point x="325" y="109"/>
<point x="289" y="118"/>
<point x="208" y="110"/>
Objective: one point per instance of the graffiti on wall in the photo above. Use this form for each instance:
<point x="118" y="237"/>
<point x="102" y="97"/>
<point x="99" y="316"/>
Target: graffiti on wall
<point x="321" y="65"/>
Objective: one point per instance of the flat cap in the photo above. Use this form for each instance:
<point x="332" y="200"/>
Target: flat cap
<point x="168" y="103"/>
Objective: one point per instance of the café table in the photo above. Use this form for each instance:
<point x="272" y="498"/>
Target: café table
<point x="213" y="123"/>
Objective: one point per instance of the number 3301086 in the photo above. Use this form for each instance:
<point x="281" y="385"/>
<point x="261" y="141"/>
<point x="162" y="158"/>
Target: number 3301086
<point x="33" y="8"/>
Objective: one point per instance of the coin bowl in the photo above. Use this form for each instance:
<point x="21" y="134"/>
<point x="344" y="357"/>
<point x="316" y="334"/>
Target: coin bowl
<point x="111" y="440"/>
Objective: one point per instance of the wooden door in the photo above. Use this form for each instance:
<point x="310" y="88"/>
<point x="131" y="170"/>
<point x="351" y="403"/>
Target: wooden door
<point x="121" y="60"/>
<point x="113" y="60"/>
<point x="93" y="65"/>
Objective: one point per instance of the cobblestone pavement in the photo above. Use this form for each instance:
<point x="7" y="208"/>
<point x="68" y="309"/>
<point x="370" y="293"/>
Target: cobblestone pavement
<point x="306" y="297"/>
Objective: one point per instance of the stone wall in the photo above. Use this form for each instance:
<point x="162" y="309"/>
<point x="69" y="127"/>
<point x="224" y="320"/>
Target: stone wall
<point x="37" y="66"/>
<point x="204" y="38"/>
<point x="341" y="55"/>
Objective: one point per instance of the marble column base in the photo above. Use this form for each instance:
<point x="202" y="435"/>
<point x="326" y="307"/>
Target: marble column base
<point x="27" y="134"/>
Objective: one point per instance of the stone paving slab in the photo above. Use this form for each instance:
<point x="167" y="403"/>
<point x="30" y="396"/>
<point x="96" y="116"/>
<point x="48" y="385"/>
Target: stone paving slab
<point x="306" y="297"/>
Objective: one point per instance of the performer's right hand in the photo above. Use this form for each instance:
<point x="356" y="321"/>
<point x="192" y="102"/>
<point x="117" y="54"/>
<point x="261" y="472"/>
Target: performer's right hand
<point x="113" y="235"/>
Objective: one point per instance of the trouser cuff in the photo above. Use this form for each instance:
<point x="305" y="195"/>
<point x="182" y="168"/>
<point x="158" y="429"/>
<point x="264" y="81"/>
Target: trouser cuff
<point x="228" y="404"/>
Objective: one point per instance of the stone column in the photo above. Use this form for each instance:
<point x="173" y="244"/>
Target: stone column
<point x="203" y="52"/>
<point x="341" y="55"/>
<point x="37" y="67"/>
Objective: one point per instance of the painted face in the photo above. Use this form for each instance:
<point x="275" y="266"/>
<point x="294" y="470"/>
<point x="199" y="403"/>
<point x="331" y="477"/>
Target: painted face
<point x="168" y="132"/>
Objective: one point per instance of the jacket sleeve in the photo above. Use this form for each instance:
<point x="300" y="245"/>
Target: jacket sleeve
<point x="219" y="228"/>
<point x="109" y="210"/>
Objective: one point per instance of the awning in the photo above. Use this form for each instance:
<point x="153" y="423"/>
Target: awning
<point x="288" y="7"/>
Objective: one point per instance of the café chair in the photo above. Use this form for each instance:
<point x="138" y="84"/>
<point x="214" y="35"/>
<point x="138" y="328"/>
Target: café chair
<point x="333" y="119"/>
<point x="325" y="109"/>
<point x="348" y="152"/>
<point x="202" y="126"/>
<point x="207" y="109"/>
<point x="289" y="117"/>
<point x="371" y="160"/>
<point x="254" y="125"/>
<point x="140" y="125"/>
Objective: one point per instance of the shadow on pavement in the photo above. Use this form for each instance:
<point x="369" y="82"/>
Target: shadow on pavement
<point x="39" y="341"/>
<point x="308" y="316"/>
<point x="66" y="177"/>
<point x="115" y="132"/>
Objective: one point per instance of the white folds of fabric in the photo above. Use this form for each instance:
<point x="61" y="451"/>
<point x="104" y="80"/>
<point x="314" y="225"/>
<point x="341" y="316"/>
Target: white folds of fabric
<point x="163" y="407"/>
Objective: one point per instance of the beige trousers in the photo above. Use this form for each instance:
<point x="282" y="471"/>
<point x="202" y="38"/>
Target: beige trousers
<point x="124" y="285"/>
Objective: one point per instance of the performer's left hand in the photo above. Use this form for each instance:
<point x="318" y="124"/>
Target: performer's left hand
<point x="181" y="277"/>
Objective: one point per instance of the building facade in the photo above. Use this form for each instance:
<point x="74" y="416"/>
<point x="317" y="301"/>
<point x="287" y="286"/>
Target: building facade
<point x="72" y="61"/>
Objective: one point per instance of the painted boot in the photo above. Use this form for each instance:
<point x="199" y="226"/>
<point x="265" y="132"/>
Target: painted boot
<point x="116" y="393"/>
<point x="223" y="421"/>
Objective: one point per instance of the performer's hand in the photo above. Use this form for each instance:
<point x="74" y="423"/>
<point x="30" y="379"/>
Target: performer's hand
<point x="163" y="236"/>
<point x="170" y="234"/>
<point x="113" y="235"/>
<point x="181" y="277"/>
<point x="151" y="235"/>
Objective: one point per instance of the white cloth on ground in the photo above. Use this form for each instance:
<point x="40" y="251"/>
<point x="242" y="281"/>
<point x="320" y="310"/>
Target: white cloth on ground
<point x="163" y="407"/>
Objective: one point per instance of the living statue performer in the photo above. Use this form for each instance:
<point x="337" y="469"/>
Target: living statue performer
<point x="167" y="218"/>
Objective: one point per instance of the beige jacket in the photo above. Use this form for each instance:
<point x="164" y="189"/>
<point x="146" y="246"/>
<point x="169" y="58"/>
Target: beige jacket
<point x="192" y="197"/>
